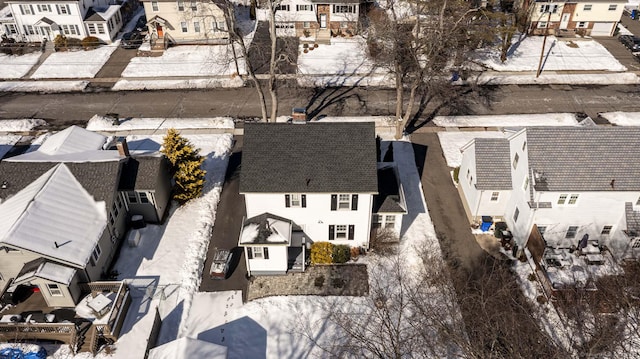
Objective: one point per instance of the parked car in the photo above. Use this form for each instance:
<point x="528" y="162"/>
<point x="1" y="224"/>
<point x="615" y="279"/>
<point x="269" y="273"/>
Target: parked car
<point x="631" y="42"/>
<point x="220" y="264"/>
<point x="132" y="40"/>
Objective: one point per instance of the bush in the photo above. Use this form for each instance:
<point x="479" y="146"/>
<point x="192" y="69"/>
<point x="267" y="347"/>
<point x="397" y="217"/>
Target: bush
<point x="384" y="242"/>
<point x="60" y="41"/>
<point x="90" y="42"/>
<point x="341" y="253"/>
<point x="74" y="42"/>
<point x="456" y="173"/>
<point x="321" y="253"/>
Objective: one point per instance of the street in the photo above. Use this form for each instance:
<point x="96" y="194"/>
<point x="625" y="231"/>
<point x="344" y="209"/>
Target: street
<point x="76" y="108"/>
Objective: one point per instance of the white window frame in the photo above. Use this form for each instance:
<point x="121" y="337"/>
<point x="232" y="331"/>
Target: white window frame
<point x="526" y="183"/>
<point x="613" y="7"/>
<point x="283" y="7"/>
<point x="180" y="5"/>
<point x="306" y="24"/>
<point x="377" y="220"/>
<point x="154" y="6"/>
<point x="305" y="7"/>
<point x="562" y="199"/>
<point x="524" y="145"/>
<point x="582" y="24"/>
<point x="341" y="202"/>
<point x="495" y="196"/>
<point x="11" y="29"/>
<point x="97" y="251"/>
<point x="184" y="26"/>
<point x="26" y="9"/>
<point x="549" y="8"/>
<point x="571" y="232"/>
<point x="587" y="7"/>
<point x="516" y="158"/>
<point x="100" y="28"/>
<point x="606" y="230"/>
<point x="516" y="214"/>
<point x="295" y="200"/>
<point x="193" y="5"/>
<point x="636" y="244"/>
<point x="54" y="290"/>
<point x="258" y="252"/>
<point x="339" y="230"/>
<point x="196" y="26"/>
<point x="573" y="199"/>
<point x="389" y="221"/>
<point x="63" y="9"/>
<point x="44" y="8"/>
<point x="542" y="25"/>
<point x="343" y="9"/>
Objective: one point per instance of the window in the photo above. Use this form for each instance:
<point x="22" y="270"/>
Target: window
<point x="306" y="24"/>
<point x="526" y="184"/>
<point x="524" y="145"/>
<point x="96" y="253"/>
<point x="282" y="8"/>
<point x="582" y="24"/>
<point x="63" y="9"/>
<point x="549" y="8"/>
<point x="613" y="7"/>
<point x="180" y="5"/>
<point x="119" y="202"/>
<point x="542" y="24"/>
<point x="638" y="202"/>
<point x="222" y="25"/>
<point x="100" y="28"/>
<point x="562" y="199"/>
<point x="194" y="6"/>
<point x="376" y="221"/>
<point x="54" y="290"/>
<point x="28" y="29"/>
<point x="571" y="232"/>
<point x="183" y="25"/>
<point x="344" y="201"/>
<point x="304" y="7"/>
<point x="196" y="26"/>
<point x="295" y="200"/>
<point x="516" y="214"/>
<point x="471" y="180"/>
<point x="389" y="221"/>
<point x="606" y="230"/>
<point x="44" y="8"/>
<point x="131" y="197"/>
<point x="27" y="9"/>
<point x="154" y="5"/>
<point x="344" y="9"/>
<point x="636" y="244"/>
<point x="92" y="31"/>
<point x="257" y="252"/>
<point x="11" y="29"/>
<point x="515" y="161"/>
<point x="542" y="229"/>
<point x="587" y="7"/>
<point x="494" y="196"/>
<point x="469" y="174"/>
<point x="573" y="199"/>
<point x="341" y="231"/>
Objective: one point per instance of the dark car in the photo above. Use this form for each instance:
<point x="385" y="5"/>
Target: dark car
<point x="141" y="24"/>
<point x="132" y="40"/>
<point x="631" y="42"/>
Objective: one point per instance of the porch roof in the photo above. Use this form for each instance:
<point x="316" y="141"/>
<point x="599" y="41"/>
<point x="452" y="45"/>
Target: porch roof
<point x="388" y="199"/>
<point x="41" y="268"/>
<point x="266" y="229"/>
<point x="159" y="20"/>
<point x="44" y="20"/>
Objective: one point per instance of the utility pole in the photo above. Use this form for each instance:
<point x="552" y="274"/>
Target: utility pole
<point x="544" y="41"/>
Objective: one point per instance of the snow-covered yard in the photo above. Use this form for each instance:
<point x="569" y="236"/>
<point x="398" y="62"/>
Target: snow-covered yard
<point x="14" y="67"/>
<point x="515" y="120"/>
<point x="622" y="118"/>
<point x="74" y="64"/>
<point x="560" y="54"/>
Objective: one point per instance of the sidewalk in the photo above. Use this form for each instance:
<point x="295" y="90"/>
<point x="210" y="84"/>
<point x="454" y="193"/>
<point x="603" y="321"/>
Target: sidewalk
<point x="48" y="50"/>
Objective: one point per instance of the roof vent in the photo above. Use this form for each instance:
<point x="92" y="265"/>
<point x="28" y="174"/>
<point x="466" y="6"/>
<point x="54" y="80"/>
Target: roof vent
<point x="4" y="185"/>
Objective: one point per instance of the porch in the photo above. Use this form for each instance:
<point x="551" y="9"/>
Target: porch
<point x="298" y="252"/>
<point x="84" y="330"/>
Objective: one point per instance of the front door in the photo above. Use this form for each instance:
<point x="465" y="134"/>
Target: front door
<point x="564" y="22"/>
<point x="323" y="21"/>
<point x="159" y="30"/>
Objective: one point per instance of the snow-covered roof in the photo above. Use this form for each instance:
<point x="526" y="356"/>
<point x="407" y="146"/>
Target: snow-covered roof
<point x="47" y="270"/>
<point x="279" y="230"/>
<point x="54" y="216"/>
<point x="101" y="13"/>
<point x="188" y="348"/>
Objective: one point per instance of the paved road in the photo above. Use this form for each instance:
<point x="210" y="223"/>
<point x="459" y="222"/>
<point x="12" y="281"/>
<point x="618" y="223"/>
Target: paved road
<point x="65" y="109"/>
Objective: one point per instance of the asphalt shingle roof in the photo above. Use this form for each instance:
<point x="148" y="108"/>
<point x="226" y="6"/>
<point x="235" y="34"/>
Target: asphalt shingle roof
<point x="493" y="170"/>
<point x="388" y="198"/>
<point x="585" y="158"/>
<point x="309" y="158"/>
<point x="142" y="172"/>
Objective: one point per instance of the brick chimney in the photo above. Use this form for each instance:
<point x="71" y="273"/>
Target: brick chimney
<point x="123" y="148"/>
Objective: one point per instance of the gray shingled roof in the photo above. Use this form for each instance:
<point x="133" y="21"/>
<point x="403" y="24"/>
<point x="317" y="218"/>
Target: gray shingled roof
<point x="585" y="158"/>
<point x="388" y="199"/>
<point x="309" y="158"/>
<point x="100" y="179"/>
<point x="142" y="172"/>
<point x="632" y="217"/>
<point x="493" y="171"/>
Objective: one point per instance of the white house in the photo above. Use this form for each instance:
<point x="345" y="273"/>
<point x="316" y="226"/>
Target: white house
<point x="567" y="182"/>
<point x="318" y="19"/>
<point x="305" y="183"/>
<point x="589" y="17"/>
<point x="185" y="22"/>
<point x="34" y="21"/>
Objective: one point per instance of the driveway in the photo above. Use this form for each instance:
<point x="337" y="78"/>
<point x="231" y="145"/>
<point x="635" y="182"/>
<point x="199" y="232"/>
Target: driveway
<point x="620" y="52"/>
<point x="260" y="51"/>
<point x="226" y="231"/>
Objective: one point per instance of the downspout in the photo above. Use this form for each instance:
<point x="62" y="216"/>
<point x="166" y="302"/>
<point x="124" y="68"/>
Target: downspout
<point x="479" y="201"/>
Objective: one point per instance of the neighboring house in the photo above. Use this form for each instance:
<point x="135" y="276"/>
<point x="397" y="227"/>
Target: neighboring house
<point x="562" y="183"/>
<point x="318" y="19"/>
<point x="389" y="205"/>
<point x="305" y="183"/>
<point x="185" y="22"/>
<point x="66" y="207"/>
<point x="592" y="18"/>
<point x="33" y="21"/>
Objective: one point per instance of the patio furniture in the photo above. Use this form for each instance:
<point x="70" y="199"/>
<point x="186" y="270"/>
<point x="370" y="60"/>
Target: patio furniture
<point x="100" y="305"/>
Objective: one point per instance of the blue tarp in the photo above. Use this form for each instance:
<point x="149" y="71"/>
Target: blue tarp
<point x="15" y="353"/>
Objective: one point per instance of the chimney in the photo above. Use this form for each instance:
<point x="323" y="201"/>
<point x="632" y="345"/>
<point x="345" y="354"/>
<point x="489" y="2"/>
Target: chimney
<point x="123" y="148"/>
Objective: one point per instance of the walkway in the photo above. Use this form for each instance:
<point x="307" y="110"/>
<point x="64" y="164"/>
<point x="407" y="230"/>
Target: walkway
<point x="48" y="50"/>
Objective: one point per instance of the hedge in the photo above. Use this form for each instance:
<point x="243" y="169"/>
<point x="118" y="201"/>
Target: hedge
<point x="322" y="253"/>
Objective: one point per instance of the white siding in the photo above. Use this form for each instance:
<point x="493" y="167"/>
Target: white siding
<point x="519" y="196"/>
<point x="277" y="262"/>
<point x="599" y="12"/>
<point x="467" y="178"/>
<point x="205" y="15"/>
<point x="317" y="216"/>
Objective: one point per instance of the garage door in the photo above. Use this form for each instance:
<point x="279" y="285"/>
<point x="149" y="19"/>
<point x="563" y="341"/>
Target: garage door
<point x="602" y="29"/>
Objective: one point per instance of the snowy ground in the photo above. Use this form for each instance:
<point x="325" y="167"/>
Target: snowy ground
<point x="516" y="120"/>
<point x="21" y="125"/>
<point x="452" y="142"/>
<point x="14" y="67"/>
<point x="343" y="56"/>
<point x="100" y="123"/>
<point x="622" y="118"/>
<point x="565" y="54"/>
<point x="551" y="78"/>
<point x="74" y="64"/>
<point x="43" y="86"/>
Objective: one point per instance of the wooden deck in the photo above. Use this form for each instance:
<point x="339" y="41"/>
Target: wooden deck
<point x="79" y="333"/>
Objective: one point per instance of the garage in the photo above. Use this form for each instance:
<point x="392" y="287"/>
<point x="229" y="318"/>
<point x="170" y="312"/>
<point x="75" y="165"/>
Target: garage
<point x="602" y="29"/>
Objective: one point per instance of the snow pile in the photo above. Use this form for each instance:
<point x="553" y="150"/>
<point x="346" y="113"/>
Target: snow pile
<point x="74" y="64"/>
<point x="576" y="54"/>
<point x="128" y="85"/>
<point x="21" y="125"/>
<point x="622" y="118"/>
<point x="201" y="60"/>
<point x="101" y="123"/>
<point x="14" y="67"/>
<point x="43" y="86"/>
<point x="528" y="120"/>
<point x="496" y="78"/>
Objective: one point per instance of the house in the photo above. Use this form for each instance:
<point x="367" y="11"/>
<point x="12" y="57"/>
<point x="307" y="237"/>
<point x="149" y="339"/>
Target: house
<point x="185" y="22"/>
<point x="591" y="18"/>
<point x="389" y="205"/>
<point x="318" y="19"/>
<point x="305" y="183"/>
<point x="32" y="22"/>
<point x="66" y="207"/>
<point x="563" y="184"/>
